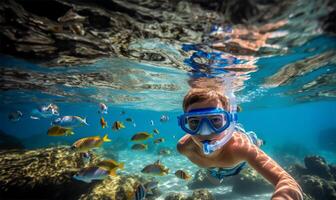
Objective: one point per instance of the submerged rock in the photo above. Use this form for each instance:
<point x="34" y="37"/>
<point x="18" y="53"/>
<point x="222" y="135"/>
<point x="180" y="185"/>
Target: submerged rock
<point x="202" y="194"/>
<point x="316" y="178"/>
<point x="176" y="196"/>
<point x="318" y="166"/>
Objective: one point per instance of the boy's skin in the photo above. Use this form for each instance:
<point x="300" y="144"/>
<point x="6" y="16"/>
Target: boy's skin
<point x="236" y="150"/>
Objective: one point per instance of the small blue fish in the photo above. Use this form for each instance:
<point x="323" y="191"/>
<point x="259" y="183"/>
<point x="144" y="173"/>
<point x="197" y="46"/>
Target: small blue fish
<point x="70" y="121"/>
<point x="164" y="118"/>
<point x="48" y="111"/>
<point x="102" y="108"/>
<point x="89" y="174"/>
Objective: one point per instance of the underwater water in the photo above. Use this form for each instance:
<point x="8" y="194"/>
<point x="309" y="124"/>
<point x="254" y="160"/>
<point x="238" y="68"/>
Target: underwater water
<point x="285" y="87"/>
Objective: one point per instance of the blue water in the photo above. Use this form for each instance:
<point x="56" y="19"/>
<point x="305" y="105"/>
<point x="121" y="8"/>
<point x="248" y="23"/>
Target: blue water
<point x="289" y="126"/>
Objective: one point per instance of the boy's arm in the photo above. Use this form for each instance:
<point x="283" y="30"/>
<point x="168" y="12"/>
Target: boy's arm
<point x="285" y="185"/>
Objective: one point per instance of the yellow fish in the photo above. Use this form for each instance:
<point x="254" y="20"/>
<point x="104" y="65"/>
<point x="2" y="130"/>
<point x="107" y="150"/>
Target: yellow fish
<point x="159" y="140"/>
<point x="141" y="136"/>
<point x="60" y="131"/>
<point x="103" y="123"/>
<point x="139" y="146"/>
<point x="156" y="169"/>
<point x="88" y="143"/>
<point x="117" y="125"/>
<point x="111" y="166"/>
<point x="156" y="131"/>
<point x="182" y="175"/>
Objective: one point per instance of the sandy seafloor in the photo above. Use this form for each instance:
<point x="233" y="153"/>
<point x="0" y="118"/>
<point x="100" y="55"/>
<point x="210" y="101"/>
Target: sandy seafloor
<point x="135" y="161"/>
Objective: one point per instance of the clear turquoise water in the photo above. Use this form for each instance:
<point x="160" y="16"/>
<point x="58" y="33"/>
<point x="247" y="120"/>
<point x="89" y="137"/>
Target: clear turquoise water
<point x="288" y="126"/>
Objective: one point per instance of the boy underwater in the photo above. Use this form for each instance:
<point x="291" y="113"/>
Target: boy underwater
<point x="214" y="141"/>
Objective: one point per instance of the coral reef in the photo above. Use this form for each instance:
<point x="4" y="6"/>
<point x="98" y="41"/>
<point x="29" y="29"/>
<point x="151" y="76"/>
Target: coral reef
<point x="200" y="194"/>
<point x="47" y="174"/>
<point x="316" y="178"/>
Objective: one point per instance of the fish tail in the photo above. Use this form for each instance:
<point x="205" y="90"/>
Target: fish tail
<point x="84" y="121"/>
<point x="121" y="165"/>
<point x="69" y="132"/>
<point x="166" y="171"/>
<point x="106" y="139"/>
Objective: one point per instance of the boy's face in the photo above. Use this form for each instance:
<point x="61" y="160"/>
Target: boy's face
<point x="213" y="137"/>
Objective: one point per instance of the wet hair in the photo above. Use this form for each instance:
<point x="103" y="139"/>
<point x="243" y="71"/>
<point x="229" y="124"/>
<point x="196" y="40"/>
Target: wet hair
<point x="198" y="95"/>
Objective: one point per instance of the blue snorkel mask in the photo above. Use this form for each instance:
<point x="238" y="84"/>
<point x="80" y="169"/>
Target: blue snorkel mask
<point x="207" y="121"/>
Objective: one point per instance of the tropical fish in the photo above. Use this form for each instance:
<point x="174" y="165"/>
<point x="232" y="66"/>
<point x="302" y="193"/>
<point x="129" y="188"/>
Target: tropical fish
<point x="111" y="166"/>
<point x="48" y="111"/>
<point x="239" y="109"/>
<point x="182" y="175"/>
<point x="70" y="121"/>
<point x="60" y="131"/>
<point x="117" y="125"/>
<point x="89" y="174"/>
<point x="129" y="119"/>
<point x="140" y="136"/>
<point x="103" y="123"/>
<point x="164" y="152"/>
<point x="155" y="169"/>
<point x="102" y="108"/>
<point x="85" y="144"/>
<point x="140" y="192"/>
<point x="159" y="140"/>
<point x="164" y="118"/>
<point x="139" y="146"/>
<point x="15" y="116"/>
<point x="151" y="122"/>
<point x="156" y="131"/>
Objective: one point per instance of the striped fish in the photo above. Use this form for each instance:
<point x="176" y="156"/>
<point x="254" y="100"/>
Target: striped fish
<point x="140" y="192"/>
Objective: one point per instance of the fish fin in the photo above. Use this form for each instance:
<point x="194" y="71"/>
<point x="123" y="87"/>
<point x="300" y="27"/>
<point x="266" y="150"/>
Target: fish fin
<point x="121" y="165"/>
<point x="157" y="162"/>
<point x="106" y="139"/>
<point x="84" y="121"/>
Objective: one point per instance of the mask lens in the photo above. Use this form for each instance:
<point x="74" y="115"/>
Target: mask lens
<point x="193" y="123"/>
<point x="218" y="121"/>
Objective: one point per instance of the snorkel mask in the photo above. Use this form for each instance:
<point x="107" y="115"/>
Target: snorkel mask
<point x="210" y="120"/>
